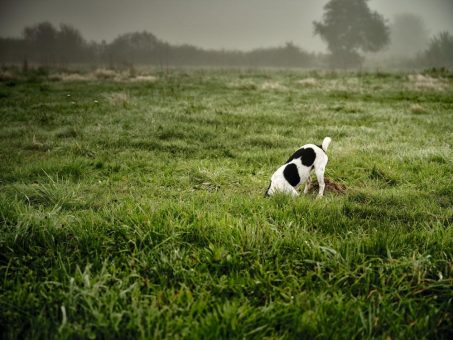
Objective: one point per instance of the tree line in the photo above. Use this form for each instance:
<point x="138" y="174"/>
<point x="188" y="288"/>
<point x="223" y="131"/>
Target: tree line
<point x="46" y="44"/>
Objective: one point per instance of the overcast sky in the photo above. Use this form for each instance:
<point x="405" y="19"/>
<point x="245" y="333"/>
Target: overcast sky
<point x="231" y="24"/>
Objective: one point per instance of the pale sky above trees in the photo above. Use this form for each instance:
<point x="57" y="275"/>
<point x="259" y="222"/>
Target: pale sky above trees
<point x="231" y="24"/>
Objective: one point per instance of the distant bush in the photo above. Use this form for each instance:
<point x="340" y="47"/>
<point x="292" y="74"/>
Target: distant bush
<point x="439" y="52"/>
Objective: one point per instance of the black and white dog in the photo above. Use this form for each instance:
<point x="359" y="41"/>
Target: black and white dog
<point x="297" y="170"/>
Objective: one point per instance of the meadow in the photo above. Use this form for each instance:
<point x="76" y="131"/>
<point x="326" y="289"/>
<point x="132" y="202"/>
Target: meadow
<point x="131" y="206"/>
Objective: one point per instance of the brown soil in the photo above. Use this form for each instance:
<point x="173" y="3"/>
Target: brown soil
<point x="331" y="186"/>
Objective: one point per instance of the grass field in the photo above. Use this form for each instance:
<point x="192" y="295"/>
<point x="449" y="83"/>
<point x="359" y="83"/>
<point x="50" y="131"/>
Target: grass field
<point x="134" y="207"/>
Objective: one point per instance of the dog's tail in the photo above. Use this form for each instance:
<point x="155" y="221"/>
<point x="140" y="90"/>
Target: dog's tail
<point x="325" y="143"/>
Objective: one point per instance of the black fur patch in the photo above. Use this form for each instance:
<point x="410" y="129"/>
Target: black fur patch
<point x="307" y="156"/>
<point x="291" y="174"/>
<point x="295" y="155"/>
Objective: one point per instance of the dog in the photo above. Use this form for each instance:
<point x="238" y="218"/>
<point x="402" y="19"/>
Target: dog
<point x="297" y="169"/>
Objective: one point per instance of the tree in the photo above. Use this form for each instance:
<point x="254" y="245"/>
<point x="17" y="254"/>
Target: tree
<point x="71" y="44"/>
<point x="48" y="45"/>
<point x="408" y="35"/>
<point x="350" y="27"/>
<point x="42" y="41"/>
<point x="137" y="47"/>
<point x="11" y="50"/>
<point x="439" y="52"/>
<point x="287" y="56"/>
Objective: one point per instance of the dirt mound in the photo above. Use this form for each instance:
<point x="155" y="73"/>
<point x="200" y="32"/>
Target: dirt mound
<point x="331" y="186"/>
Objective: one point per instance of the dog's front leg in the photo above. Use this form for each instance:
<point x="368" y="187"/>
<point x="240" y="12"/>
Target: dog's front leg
<point x="307" y="184"/>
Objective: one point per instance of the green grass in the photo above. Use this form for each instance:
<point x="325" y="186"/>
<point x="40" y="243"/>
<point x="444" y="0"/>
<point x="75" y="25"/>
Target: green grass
<point x="136" y="209"/>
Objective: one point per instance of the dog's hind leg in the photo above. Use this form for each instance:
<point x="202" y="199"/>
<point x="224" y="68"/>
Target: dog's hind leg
<point x="320" y="176"/>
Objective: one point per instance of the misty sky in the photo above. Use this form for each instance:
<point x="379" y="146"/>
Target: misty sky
<point x="231" y="24"/>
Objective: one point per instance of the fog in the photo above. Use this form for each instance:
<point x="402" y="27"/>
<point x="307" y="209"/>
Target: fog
<point x="212" y="24"/>
<point x="406" y="33"/>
